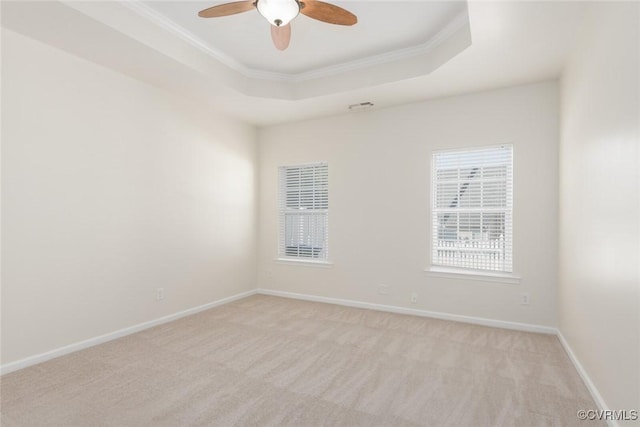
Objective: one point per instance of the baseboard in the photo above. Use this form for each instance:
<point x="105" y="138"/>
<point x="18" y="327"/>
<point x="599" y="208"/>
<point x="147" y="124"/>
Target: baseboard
<point x="459" y="318"/>
<point x="416" y="312"/>
<point x="585" y="378"/>
<point x="43" y="357"/>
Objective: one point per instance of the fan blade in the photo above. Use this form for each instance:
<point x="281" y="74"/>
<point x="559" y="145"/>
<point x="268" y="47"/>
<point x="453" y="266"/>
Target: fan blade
<point x="281" y="36"/>
<point x="327" y="12"/>
<point x="227" y="9"/>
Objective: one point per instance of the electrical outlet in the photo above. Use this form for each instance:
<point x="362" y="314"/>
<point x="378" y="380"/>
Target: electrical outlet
<point x="414" y="298"/>
<point x="383" y="289"/>
<point x="159" y="294"/>
<point x="524" y="299"/>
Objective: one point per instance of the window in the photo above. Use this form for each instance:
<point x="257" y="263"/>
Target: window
<point x="472" y="209"/>
<point x="304" y="212"/>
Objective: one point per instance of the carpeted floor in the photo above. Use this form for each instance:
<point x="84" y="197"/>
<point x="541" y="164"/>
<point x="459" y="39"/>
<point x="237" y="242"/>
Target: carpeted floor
<point x="267" y="361"/>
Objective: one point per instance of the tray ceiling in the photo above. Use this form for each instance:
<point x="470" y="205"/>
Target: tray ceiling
<point x="383" y="27"/>
<point x="513" y="43"/>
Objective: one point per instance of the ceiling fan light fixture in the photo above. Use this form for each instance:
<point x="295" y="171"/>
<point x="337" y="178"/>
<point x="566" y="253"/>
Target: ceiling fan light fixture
<point x="278" y="12"/>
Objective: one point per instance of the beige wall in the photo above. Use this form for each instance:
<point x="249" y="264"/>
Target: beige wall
<point x="379" y="174"/>
<point x="110" y="189"/>
<point x="599" y="278"/>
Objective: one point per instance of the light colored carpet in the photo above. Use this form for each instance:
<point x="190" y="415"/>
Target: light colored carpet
<point x="267" y="361"/>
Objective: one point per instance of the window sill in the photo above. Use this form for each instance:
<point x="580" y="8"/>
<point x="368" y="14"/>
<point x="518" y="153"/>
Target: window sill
<point x="478" y="276"/>
<point x="304" y="262"/>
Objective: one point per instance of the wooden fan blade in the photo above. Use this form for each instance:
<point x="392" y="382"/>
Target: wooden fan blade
<point x="281" y="36"/>
<point x="227" y="9"/>
<point x="327" y="12"/>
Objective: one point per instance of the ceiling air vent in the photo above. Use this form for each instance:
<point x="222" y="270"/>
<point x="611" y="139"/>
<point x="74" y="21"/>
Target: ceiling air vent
<point x="361" y="106"/>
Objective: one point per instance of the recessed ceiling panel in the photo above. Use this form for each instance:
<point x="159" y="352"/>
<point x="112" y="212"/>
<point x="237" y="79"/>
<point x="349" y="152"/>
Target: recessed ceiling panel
<point x="513" y="43"/>
<point x="382" y="27"/>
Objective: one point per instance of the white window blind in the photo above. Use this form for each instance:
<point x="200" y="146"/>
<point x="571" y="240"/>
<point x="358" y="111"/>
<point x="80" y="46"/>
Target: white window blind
<point x="304" y="211"/>
<point x="472" y="209"/>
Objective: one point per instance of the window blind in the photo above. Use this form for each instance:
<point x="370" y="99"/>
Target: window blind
<point x="304" y="211"/>
<point x="472" y="209"/>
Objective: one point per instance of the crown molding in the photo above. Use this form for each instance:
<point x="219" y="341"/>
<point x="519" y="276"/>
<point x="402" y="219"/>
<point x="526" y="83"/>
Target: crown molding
<point x="450" y="29"/>
<point x="167" y="24"/>
<point x="458" y="22"/>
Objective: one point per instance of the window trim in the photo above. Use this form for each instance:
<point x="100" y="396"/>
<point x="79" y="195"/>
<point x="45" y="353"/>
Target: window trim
<point x="304" y="262"/>
<point x="471" y="274"/>
<point x="444" y="271"/>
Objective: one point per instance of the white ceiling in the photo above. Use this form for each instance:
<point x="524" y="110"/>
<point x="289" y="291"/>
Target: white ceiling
<point x="512" y="43"/>
<point x="382" y="27"/>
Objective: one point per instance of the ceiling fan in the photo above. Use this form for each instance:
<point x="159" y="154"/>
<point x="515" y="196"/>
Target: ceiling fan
<point x="279" y="13"/>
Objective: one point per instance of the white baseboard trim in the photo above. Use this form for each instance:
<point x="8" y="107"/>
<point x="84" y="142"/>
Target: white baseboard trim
<point x="459" y="318"/>
<point x="43" y="357"/>
<point x="595" y="394"/>
<point x="416" y="312"/>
